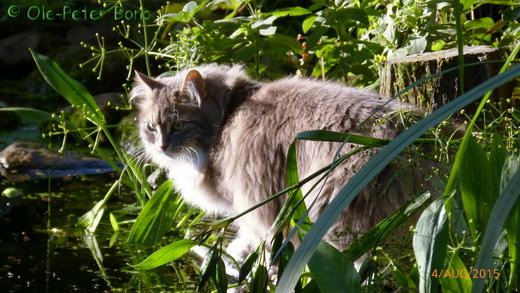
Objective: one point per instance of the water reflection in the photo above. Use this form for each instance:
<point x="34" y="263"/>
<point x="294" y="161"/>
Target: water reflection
<point x="42" y="254"/>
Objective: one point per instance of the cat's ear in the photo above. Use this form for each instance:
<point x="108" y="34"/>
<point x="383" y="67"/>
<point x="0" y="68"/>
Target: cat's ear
<point x="146" y="81"/>
<point x="194" y="82"/>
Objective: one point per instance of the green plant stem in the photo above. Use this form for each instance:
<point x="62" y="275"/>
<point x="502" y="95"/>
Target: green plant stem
<point x="460" y="44"/>
<point x="146" y="48"/>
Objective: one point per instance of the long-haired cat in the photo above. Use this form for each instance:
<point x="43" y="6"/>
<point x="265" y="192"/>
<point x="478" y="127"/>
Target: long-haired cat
<point x="224" y="137"/>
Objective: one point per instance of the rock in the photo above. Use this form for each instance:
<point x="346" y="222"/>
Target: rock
<point x="22" y="161"/>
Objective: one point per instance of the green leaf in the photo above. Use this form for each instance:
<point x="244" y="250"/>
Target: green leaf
<point x="267" y="31"/>
<point x="259" y="282"/>
<point x="245" y="269"/>
<point x="220" y="278"/>
<point x="156" y="218"/>
<point x="114" y="223"/>
<point x="500" y="213"/>
<point x="371" y="169"/>
<point x="430" y="241"/>
<point x="308" y="22"/>
<point x="263" y="22"/>
<point x="29" y="113"/>
<point x="208" y="267"/>
<point x="166" y="254"/>
<point x="483" y="23"/>
<point x="290" y="11"/>
<point x="283" y="40"/>
<point x="90" y="220"/>
<point x="291" y="171"/>
<point x="456" y="283"/>
<point x="70" y="89"/>
<point x="478" y="194"/>
<point x="333" y="271"/>
<point x="438" y="45"/>
<point x="285" y="256"/>
<point x="417" y="46"/>
<point x="467" y="3"/>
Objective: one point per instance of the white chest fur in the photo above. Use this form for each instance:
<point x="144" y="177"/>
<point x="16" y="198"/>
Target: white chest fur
<point x="190" y="182"/>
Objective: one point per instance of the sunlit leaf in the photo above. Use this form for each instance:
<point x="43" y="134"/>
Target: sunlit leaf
<point x="478" y="194"/>
<point x="156" y="218"/>
<point x="290" y="11"/>
<point x="267" y="31"/>
<point x="429" y="244"/>
<point x="308" y="22"/>
<point x="70" y="89"/>
<point x="166" y="254"/>
<point x="114" y="223"/>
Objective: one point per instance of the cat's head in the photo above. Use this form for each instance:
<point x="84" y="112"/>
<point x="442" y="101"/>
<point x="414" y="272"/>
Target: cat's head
<point x="173" y="117"/>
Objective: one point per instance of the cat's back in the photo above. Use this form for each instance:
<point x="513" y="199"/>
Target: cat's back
<point x="296" y="93"/>
<point x="316" y="102"/>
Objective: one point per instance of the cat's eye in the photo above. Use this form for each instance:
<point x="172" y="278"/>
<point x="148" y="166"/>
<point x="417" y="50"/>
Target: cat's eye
<point x="151" y="127"/>
<point x="179" y="125"/>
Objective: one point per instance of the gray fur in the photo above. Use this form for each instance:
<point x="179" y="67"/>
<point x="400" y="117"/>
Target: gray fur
<point x="231" y="154"/>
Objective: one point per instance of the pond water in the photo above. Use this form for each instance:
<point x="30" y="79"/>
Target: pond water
<point x="41" y="249"/>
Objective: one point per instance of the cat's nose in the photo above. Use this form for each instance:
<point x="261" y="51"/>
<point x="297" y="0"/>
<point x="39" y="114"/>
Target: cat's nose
<point x="163" y="147"/>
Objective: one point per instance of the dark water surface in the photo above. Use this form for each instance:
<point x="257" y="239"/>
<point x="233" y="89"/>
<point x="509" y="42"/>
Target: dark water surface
<point x="39" y="253"/>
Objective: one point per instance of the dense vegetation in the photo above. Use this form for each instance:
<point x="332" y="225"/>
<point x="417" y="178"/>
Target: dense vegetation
<point x="465" y="240"/>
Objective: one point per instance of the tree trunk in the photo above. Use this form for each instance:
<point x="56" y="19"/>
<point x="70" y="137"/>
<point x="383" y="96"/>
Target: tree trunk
<point x="397" y="74"/>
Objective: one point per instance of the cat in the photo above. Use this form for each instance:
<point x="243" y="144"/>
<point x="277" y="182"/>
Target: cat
<point x="223" y="138"/>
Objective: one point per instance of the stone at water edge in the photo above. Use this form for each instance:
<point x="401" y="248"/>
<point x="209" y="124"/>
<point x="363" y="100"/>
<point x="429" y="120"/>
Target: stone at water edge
<point x="22" y="161"/>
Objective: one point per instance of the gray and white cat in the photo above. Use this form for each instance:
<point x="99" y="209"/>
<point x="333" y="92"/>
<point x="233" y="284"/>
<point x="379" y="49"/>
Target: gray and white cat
<point x="223" y="138"/>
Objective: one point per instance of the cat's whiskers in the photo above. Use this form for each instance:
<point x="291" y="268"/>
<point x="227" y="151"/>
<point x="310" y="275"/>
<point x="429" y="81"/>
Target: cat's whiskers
<point x="139" y="156"/>
<point x="198" y="161"/>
